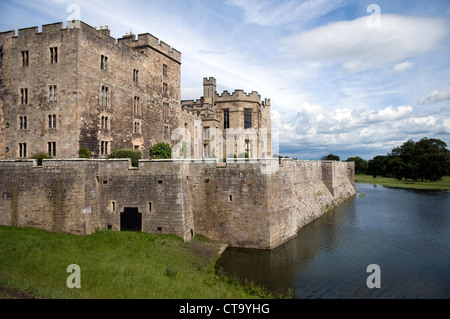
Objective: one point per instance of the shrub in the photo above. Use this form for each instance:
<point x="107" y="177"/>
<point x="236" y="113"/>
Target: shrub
<point x="40" y="156"/>
<point x="134" y="155"/>
<point x="160" y="151"/>
<point x="84" y="152"/>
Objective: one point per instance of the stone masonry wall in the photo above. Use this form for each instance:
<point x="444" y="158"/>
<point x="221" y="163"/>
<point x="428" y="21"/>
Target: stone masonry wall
<point x="254" y="204"/>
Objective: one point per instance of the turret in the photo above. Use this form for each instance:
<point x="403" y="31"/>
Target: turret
<point x="209" y="90"/>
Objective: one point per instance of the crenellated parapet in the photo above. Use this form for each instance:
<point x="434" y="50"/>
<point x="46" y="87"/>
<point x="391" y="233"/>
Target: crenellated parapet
<point x="148" y="40"/>
<point x="238" y="95"/>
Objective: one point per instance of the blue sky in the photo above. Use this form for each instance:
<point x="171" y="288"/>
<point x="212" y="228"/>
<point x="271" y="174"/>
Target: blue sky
<point x="342" y="79"/>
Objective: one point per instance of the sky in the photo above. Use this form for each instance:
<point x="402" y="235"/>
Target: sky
<point x="350" y="78"/>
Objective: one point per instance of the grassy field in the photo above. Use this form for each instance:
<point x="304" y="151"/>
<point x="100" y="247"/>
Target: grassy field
<point x="392" y="182"/>
<point x="114" y="265"/>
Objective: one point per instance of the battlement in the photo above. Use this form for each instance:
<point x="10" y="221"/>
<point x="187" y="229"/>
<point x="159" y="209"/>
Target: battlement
<point x="143" y="40"/>
<point x="239" y="95"/>
<point x="148" y="40"/>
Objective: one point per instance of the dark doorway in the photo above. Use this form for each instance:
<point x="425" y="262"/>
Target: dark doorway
<point x="130" y="219"/>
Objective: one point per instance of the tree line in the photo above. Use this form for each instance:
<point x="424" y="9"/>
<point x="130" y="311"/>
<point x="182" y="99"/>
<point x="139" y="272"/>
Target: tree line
<point x="428" y="159"/>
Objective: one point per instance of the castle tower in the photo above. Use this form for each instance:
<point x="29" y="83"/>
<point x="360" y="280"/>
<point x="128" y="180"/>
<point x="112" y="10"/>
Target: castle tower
<point x="209" y="90"/>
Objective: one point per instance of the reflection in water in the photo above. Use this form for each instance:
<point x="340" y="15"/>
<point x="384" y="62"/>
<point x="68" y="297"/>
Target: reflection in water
<point x="405" y="232"/>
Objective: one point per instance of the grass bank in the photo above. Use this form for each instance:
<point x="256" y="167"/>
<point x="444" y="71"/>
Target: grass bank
<point x="392" y="182"/>
<point x="114" y="265"/>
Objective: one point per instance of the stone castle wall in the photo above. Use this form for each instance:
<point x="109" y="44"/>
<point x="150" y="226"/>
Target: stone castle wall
<point x="245" y="204"/>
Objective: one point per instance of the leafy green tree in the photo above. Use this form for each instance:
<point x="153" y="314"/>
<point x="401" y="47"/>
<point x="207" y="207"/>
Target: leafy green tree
<point x="134" y="155"/>
<point x="331" y="157"/>
<point x="432" y="159"/>
<point x="361" y="165"/>
<point x="160" y="151"/>
<point x="377" y="165"/>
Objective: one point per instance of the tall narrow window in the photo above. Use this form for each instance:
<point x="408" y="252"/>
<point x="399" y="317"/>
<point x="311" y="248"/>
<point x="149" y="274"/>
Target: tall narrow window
<point x="25" y="59"/>
<point x="207" y="151"/>
<point x="226" y="119"/>
<point x="23" y="96"/>
<point x="104" y="96"/>
<point x="164" y="70"/>
<point x="137" y="106"/>
<point x="104" y="63"/>
<point x="53" y="55"/>
<point x="135" y="76"/>
<point x="165" y="111"/>
<point x="248" y="119"/>
<point x="51" y="148"/>
<point x="207" y="134"/>
<point x="23" y="123"/>
<point x="137" y="127"/>
<point x="52" y="93"/>
<point x="52" y="121"/>
<point x="104" y="148"/>
<point x="165" y="90"/>
<point x="22" y="150"/>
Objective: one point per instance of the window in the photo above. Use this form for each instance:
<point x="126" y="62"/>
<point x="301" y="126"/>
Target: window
<point x="248" y="119"/>
<point x="104" y="148"/>
<point x="52" y="93"/>
<point x="104" y="63"/>
<point x="25" y="60"/>
<point x="136" y="106"/>
<point x="23" y="123"/>
<point x="104" y="96"/>
<point x="165" y="90"/>
<point x="53" y="55"/>
<point x="248" y="148"/>
<point x="207" y="150"/>
<point x="104" y="123"/>
<point x="165" y="111"/>
<point x="164" y="70"/>
<point x="51" y="148"/>
<point x="24" y="96"/>
<point x="137" y="127"/>
<point x="52" y="121"/>
<point x="226" y="119"/>
<point x="166" y="132"/>
<point x="22" y="150"/>
<point x="135" y="76"/>
<point x="207" y="134"/>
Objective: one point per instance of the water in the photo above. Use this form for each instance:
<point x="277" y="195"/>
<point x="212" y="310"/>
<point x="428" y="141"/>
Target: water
<point x="405" y="232"/>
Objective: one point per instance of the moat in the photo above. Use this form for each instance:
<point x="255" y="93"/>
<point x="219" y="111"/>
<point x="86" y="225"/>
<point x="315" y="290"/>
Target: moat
<point x="405" y="232"/>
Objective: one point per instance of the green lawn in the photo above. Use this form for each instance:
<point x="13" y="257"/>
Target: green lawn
<point x="392" y="182"/>
<point x="114" y="265"/>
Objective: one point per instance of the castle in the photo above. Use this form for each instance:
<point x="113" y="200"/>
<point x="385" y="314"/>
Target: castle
<point x="63" y="89"/>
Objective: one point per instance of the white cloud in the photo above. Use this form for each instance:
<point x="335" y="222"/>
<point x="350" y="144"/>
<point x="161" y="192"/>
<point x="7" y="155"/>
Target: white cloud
<point x="435" y="96"/>
<point x="271" y="13"/>
<point x="358" y="47"/>
<point x="403" y="66"/>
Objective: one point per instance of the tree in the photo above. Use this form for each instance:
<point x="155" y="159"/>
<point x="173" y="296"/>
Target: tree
<point x="134" y="155"/>
<point x="361" y="165"/>
<point x="331" y="157"/>
<point x="428" y="159"/>
<point x="40" y="156"/>
<point x="377" y="165"/>
<point x="160" y="151"/>
<point x="84" y="153"/>
<point x="432" y="159"/>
